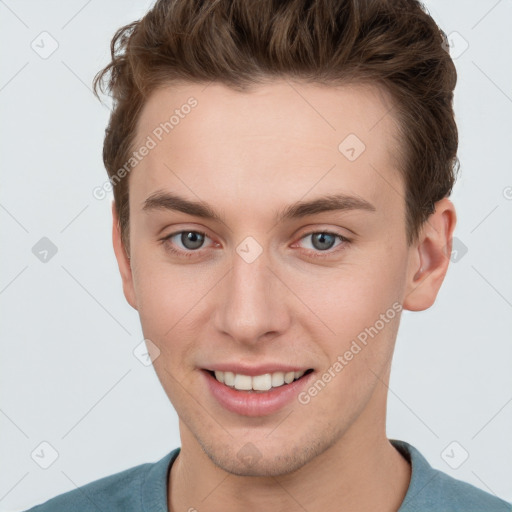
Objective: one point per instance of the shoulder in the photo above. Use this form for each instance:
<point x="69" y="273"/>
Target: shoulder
<point x="465" y="496"/>
<point x="433" y="490"/>
<point x="126" y="491"/>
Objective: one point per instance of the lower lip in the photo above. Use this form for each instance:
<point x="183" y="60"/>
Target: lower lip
<point x="253" y="404"/>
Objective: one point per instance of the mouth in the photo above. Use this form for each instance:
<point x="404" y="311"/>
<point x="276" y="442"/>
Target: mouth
<point x="258" y="383"/>
<point x="256" y="391"/>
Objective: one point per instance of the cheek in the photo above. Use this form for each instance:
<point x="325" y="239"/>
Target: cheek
<point x="161" y="297"/>
<point x="353" y="312"/>
<point x="360" y="314"/>
<point x="349" y="298"/>
<point x="170" y="302"/>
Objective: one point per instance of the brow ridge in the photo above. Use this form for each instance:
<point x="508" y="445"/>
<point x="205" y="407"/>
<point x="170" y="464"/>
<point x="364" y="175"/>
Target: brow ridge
<point x="334" y="202"/>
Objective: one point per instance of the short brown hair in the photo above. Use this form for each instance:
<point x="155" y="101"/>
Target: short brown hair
<point x="240" y="43"/>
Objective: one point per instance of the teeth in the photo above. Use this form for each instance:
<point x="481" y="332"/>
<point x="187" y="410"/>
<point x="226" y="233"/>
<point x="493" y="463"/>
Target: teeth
<point x="229" y="379"/>
<point x="277" y="379"/>
<point x="262" y="382"/>
<point x="288" y="377"/>
<point x="259" y="382"/>
<point x="243" y="382"/>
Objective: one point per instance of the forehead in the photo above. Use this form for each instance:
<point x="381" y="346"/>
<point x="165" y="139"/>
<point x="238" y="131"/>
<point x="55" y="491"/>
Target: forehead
<point x="278" y="138"/>
<point x="264" y="109"/>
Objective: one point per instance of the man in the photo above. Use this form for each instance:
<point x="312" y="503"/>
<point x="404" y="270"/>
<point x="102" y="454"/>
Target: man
<point x="281" y="173"/>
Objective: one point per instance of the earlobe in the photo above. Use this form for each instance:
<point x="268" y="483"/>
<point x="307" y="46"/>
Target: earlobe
<point x="123" y="259"/>
<point x="430" y="257"/>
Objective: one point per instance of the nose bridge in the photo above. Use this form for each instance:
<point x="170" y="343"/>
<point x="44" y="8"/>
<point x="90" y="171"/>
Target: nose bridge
<point x="252" y="304"/>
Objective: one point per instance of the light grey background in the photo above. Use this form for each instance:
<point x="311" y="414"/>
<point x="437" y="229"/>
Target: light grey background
<point x="68" y="373"/>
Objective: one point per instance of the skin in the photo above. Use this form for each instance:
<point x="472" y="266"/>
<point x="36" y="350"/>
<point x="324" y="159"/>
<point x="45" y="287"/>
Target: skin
<point x="248" y="155"/>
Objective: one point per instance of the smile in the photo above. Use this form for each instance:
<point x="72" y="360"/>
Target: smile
<point x="262" y="382"/>
<point x="260" y="394"/>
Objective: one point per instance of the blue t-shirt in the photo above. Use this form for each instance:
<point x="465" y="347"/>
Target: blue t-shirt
<point x="143" y="488"/>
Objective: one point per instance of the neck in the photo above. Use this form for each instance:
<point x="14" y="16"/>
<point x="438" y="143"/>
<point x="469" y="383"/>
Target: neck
<point x="361" y="471"/>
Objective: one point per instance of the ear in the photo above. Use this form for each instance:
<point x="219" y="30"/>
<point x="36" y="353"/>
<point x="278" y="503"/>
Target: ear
<point x="429" y="257"/>
<point x="123" y="260"/>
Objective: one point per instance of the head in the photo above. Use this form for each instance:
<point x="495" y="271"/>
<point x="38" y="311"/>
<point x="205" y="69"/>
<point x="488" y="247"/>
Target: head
<point x="291" y="200"/>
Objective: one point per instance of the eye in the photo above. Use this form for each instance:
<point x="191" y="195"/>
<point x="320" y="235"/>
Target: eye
<point x="190" y="241"/>
<point x="322" y="241"/>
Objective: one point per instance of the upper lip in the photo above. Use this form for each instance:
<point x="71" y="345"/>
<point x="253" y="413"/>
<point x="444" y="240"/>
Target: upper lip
<point x="252" y="371"/>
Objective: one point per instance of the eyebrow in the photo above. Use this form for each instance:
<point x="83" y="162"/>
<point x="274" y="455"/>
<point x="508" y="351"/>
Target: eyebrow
<point x="337" y="202"/>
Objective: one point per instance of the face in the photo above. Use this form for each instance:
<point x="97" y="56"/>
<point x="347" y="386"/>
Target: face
<point x="253" y="283"/>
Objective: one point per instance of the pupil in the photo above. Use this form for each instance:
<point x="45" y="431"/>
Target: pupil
<point x="323" y="241"/>
<point x="191" y="239"/>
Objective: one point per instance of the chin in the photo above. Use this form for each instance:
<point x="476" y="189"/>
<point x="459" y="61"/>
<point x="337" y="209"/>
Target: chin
<point x="263" y="458"/>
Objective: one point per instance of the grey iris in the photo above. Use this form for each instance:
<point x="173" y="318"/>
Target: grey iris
<point x="192" y="239"/>
<point x="323" y="241"/>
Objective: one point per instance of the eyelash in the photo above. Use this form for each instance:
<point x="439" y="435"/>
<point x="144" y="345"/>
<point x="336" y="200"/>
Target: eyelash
<point x="315" y="254"/>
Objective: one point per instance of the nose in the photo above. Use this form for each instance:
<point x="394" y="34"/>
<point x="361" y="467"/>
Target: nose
<point x="252" y="304"/>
